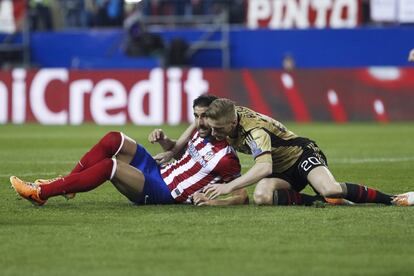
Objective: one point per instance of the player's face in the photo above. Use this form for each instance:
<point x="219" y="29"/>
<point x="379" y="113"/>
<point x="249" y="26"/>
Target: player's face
<point x="201" y="121"/>
<point x="220" y="129"/>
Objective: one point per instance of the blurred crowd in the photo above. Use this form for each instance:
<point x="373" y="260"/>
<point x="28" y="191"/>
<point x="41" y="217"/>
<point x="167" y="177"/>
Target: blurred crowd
<point x="63" y="14"/>
<point x="49" y="15"/>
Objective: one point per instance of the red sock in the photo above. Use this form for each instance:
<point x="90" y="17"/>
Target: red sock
<point x="362" y="194"/>
<point x="84" y="181"/>
<point x="107" y="147"/>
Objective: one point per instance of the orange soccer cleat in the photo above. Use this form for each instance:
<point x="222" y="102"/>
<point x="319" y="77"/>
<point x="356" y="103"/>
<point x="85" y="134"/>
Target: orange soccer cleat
<point x="406" y="199"/>
<point x="338" y="201"/>
<point x="48" y="181"/>
<point x="27" y="190"/>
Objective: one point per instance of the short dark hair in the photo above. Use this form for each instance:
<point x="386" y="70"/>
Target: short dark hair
<point x="204" y="100"/>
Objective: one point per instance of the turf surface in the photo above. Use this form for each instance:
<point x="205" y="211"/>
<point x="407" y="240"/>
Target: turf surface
<point x="101" y="233"/>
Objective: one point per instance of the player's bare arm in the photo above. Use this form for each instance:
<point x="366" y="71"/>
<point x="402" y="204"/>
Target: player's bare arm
<point x="253" y="175"/>
<point x="183" y="140"/>
<point x="238" y="197"/>
<point x="175" y="148"/>
<point x="159" y="136"/>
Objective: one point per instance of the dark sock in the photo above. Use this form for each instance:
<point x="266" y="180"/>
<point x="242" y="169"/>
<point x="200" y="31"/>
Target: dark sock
<point x="363" y="194"/>
<point x="105" y="148"/>
<point x="84" y="181"/>
<point x="286" y="197"/>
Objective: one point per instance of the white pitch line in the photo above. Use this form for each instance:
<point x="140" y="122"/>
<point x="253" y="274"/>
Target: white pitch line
<point x="333" y="160"/>
<point x="371" y="160"/>
<point x="249" y="165"/>
<point x="31" y="174"/>
<point x="44" y="162"/>
<point x="360" y="160"/>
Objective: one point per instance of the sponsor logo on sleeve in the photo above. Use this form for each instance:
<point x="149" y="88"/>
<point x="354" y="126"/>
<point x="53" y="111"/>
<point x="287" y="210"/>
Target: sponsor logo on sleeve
<point x="254" y="148"/>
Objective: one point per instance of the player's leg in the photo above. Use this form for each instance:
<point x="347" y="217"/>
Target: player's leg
<point x="110" y="145"/>
<point x="277" y="191"/>
<point x="127" y="151"/>
<point x="113" y="143"/>
<point x="297" y="176"/>
<point x="263" y="193"/>
<point x="83" y="181"/>
<point x="86" y="180"/>
<point x="129" y="181"/>
<point x="50" y="180"/>
<point x="139" y="177"/>
<point x="283" y="188"/>
<point x="324" y="182"/>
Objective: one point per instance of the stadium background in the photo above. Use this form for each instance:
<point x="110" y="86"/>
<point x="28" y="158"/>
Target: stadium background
<point x="336" y="60"/>
<point x="335" y="70"/>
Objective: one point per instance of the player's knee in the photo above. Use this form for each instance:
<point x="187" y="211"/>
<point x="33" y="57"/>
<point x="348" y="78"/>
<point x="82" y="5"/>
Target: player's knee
<point x="262" y="197"/>
<point x="111" y="141"/>
<point x="111" y="137"/>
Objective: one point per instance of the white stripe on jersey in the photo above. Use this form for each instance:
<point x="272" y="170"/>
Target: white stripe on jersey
<point x="180" y="167"/>
<point x="204" y="171"/>
<point x="206" y="160"/>
<point x="188" y="200"/>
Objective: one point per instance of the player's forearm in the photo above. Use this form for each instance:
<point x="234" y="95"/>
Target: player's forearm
<point x="167" y="144"/>
<point x="255" y="174"/>
<point x="183" y="140"/>
<point x="237" y="197"/>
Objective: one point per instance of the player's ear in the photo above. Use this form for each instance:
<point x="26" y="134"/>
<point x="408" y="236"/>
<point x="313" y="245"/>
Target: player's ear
<point x="234" y="122"/>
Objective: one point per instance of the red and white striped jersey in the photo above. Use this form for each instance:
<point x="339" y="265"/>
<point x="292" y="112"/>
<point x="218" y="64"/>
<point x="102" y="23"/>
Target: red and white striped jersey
<point x="203" y="162"/>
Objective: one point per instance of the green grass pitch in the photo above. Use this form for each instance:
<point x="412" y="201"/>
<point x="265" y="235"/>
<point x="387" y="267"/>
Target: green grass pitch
<point x="101" y="233"/>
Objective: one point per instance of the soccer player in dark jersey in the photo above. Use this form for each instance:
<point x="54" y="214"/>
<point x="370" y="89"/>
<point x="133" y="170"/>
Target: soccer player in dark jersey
<point x="136" y="174"/>
<point x="284" y="162"/>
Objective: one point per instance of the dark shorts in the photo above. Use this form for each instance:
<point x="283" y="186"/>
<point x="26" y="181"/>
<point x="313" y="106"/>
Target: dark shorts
<point x="155" y="189"/>
<point x="297" y="175"/>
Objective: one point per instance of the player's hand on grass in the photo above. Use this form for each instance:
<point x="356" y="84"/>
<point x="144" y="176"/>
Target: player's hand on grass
<point x="411" y="56"/>
<point x="200" y="199"/>
<point x="163" y="157"/>
<point x="156" y="135"/>
<point x="214" y="190"/>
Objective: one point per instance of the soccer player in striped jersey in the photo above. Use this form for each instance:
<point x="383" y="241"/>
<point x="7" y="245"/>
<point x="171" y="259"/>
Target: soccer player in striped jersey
<point x="284" y="162"/>
<point x="140" y="177"/>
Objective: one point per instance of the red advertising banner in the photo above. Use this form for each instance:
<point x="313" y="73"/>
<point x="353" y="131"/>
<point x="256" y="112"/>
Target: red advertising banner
<point x="302" y="14"/>
<point x="159" y="96"/>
